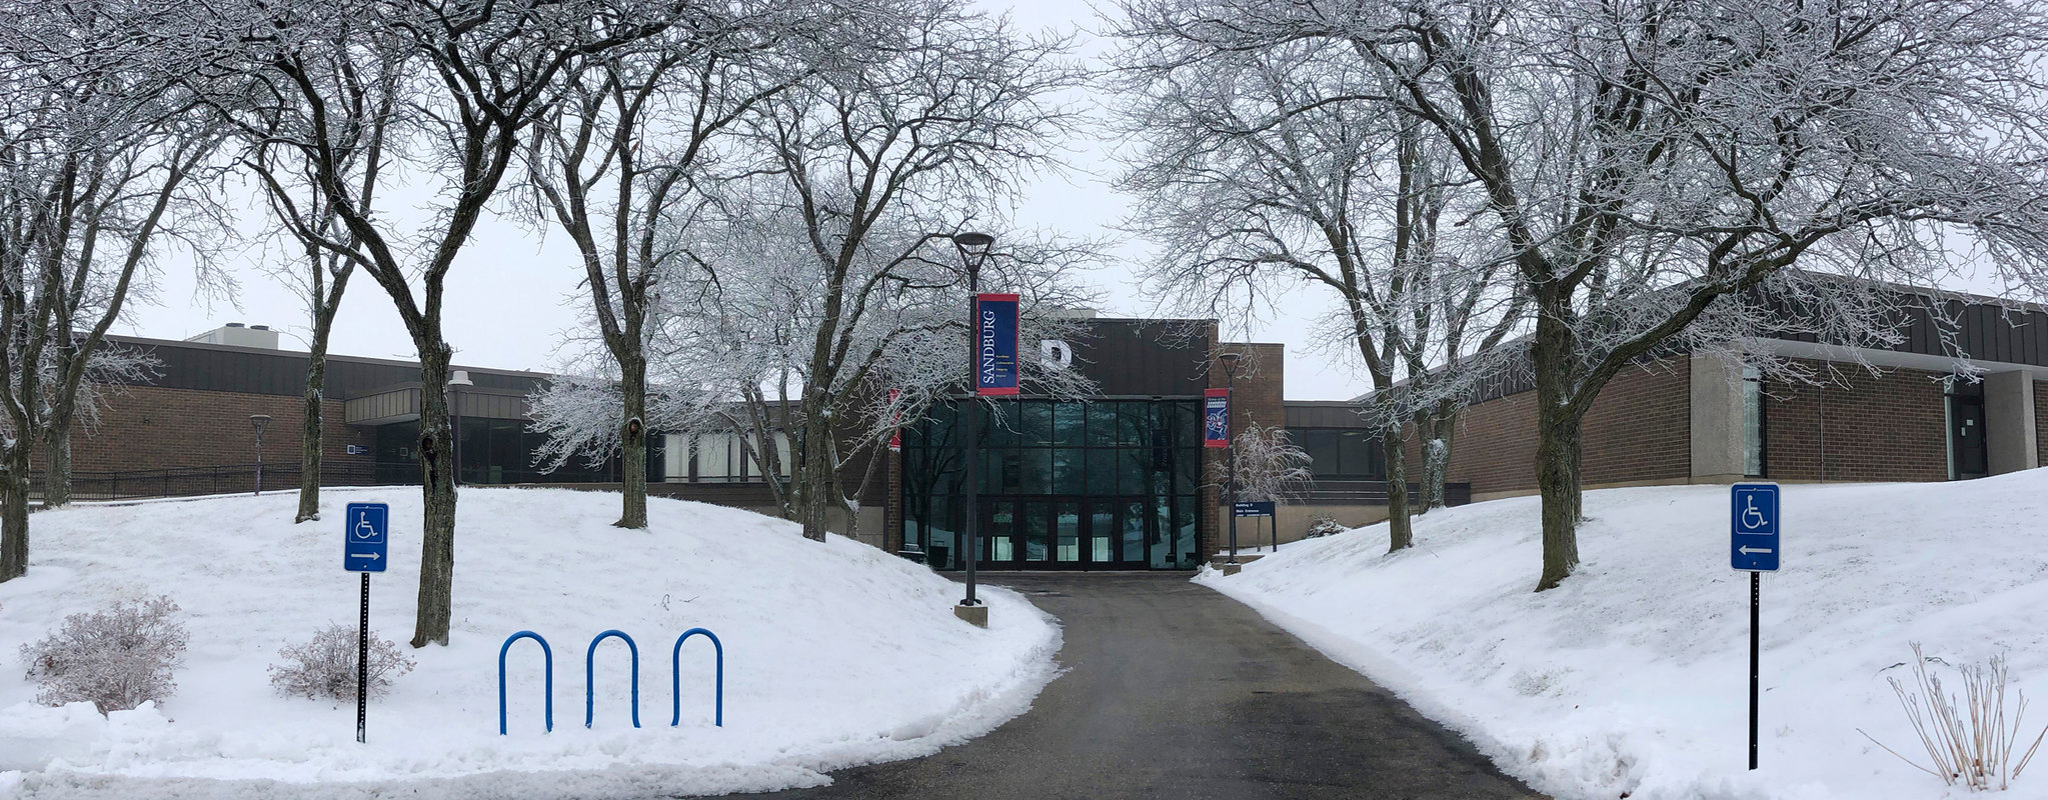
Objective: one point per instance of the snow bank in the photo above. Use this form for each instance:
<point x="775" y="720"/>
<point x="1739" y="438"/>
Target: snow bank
<point x="1631" y="679"/>
<point x="836" y="654"/>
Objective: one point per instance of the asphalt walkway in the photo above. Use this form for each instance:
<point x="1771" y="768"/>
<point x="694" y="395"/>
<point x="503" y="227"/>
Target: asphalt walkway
<point x="1175" y="691"/>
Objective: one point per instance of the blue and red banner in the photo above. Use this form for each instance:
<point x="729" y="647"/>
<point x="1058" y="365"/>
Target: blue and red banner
<point x="995" y="344"/>
<point x="1216" y="418"/>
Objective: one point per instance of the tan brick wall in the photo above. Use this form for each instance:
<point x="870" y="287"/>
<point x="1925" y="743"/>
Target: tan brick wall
<point x="1858" y="427"/>
<point x="1637" y="431"/>
<point x="147" y="427"/>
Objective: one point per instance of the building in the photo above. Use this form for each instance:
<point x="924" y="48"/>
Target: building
<point x="1119" y="480"/>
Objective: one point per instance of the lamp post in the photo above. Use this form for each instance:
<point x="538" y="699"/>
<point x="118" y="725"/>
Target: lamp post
<point x="973" y="249"/>
<point x="258" y="421"/>
<point x="1229" y="360"/>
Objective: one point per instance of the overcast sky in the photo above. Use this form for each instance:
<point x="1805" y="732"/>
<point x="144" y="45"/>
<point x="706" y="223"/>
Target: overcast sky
<point x="512" y="293"/>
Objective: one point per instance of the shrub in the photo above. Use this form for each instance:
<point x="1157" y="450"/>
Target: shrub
<point x="1324" y="526"/>
<point x="1971" y="743"/>
<point x="115" y="658"/>
<point x="325" y="668"/>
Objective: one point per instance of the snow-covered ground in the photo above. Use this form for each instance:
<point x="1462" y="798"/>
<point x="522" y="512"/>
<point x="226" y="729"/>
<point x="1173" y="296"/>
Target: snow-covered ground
<point x="836" y="653"/>
<point x="1631" y="680"/>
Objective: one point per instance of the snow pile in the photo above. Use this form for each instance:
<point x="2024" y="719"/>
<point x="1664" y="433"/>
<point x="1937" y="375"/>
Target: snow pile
<point x="836" y="653"/>
<point x="1631" y="679"/>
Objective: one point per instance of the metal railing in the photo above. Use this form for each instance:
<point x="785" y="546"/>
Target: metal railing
<point x="144" y="484"/>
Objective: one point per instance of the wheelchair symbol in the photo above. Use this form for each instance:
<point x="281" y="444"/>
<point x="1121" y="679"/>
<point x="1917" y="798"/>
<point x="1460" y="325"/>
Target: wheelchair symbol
<point x="363" y="528"/>
<point x="1752" y="518"/>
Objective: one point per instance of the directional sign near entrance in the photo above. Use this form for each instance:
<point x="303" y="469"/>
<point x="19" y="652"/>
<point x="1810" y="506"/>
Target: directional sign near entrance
<point x="1251" y="508"/>
<point x="1753" y="545"/>
<point x="365" y="540"/>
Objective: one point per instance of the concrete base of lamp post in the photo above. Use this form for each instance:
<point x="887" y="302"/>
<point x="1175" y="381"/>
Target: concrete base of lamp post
<point x="976" y="614"/>
<point x="1232" y="569"/>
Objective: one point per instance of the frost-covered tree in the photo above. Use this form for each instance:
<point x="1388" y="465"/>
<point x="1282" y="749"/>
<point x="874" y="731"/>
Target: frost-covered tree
<point x="622" y="165"/>
<point x="740" y="359"/>
<point x="1269" y="465"/>
<point x="1272" y="167"/>
<point x="472" y="79"/>
<point x="836" y="243"/>
<point x="101" y="169"/>
<point x="362" y="142"/>
<point x="1650" y="165"/>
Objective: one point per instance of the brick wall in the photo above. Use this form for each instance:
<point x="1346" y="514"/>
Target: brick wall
<point x="148" y="427"/>
<point x="1858" y="427"/>
<point x="1638" y="429"/>
<point x="1257" y="396"/>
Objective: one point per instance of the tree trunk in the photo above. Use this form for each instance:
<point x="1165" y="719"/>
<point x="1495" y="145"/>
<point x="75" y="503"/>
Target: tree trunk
<point x="633" y="446"/>
<point x="437" y="489"/>
<point x="14" y="514"/>
<point x="57" y="454"/>
<point x="1436" y="457"/>
<point x="1557" y="444"/>
<point x="310" y="431"/>
<point x="814" y="482"/>
<point x="1400" y="529"/>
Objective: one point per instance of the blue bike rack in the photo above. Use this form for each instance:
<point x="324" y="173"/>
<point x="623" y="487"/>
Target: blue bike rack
<point x="675" y="674"/>
<point x="590" y="676"/>
<point x="546" y="652"/>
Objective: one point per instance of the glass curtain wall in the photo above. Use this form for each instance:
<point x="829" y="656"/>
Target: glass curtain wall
<point x="1106" y="484"/>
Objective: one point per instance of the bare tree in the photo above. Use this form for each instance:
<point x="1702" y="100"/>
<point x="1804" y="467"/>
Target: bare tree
<point x="98" y="153"/>
<point x="621" y="165"/>
<point x="473" y="80"/>
<point x="367" y="88"/>
<point x="1269" y="168"/>
<point x="1648" y="164"/>
<point x="1270" y="467"/>
<point x="925" y="117"/>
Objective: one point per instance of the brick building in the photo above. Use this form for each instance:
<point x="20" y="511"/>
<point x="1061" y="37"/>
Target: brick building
<point x="1120" y="480"/>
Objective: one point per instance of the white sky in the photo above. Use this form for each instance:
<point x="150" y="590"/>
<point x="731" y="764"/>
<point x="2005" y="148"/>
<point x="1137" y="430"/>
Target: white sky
<point x="512" y="294"/>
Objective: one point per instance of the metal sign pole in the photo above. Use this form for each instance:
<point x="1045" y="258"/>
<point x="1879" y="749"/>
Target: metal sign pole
<point x="1754" y="547"/>
<point x="1755" y="604"/>
<point x="363" y="662"/>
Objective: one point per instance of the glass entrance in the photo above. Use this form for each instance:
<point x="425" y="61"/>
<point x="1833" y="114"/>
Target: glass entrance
<point x="1106" y="484"/>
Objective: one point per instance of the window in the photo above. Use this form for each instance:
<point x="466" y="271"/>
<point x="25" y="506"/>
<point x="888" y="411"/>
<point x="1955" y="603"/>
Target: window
<point x="1341" y="453"/>
<point x="1753" y="464"/>
<point x="1106" y="484"/>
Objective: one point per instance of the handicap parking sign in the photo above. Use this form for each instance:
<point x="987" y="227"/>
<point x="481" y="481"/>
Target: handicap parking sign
<point x="1753" y="520"/>
<point x="365" y="537"/>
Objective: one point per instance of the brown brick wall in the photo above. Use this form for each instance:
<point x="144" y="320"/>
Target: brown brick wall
<point x="1859" y="427"/>
<point x="1257" y="396"/>
<point x="147" y="427"/>
<point x="2041" y="419"/>
<point x="1639" y="429"/>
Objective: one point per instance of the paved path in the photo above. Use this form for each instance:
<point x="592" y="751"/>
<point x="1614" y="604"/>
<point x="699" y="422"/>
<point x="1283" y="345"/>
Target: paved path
<point x="1175" y="691"/>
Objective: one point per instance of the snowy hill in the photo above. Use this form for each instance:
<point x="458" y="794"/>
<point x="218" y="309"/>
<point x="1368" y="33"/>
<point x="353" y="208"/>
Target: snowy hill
<point x="1631" y="680"/>
<point x="836" y="653"/>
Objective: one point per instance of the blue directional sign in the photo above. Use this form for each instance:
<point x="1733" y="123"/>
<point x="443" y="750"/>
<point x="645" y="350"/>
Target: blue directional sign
<point x="366" y="537"/>
<point x="1753" y="545"/>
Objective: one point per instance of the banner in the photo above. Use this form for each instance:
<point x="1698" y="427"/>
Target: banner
<point x="995" y="344"/>
<point x="1216" y="418"/>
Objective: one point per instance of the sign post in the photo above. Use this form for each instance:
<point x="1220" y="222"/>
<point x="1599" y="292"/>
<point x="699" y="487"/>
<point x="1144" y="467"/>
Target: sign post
<point x="365" y="543"/>
<point x="1753" y="548"/>
<point x="1259" y="508"/>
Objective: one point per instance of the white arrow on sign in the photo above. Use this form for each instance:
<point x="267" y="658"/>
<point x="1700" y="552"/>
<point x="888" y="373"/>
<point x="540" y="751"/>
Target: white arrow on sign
<point x="1747" y="550"/>
<point x="374" y="556"/>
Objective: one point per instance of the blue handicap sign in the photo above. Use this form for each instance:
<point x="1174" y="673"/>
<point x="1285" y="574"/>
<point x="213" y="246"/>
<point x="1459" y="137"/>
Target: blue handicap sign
<point x="1753" y="521"/>
<point x="366" y="537"/>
